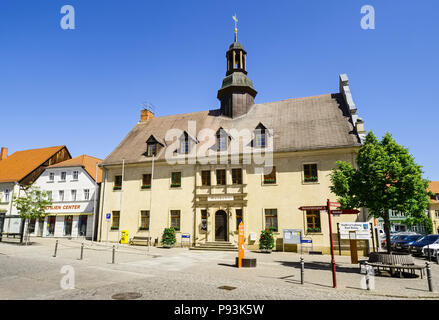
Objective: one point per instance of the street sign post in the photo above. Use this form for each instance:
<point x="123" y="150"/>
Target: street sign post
<point x="327" y="208"/>
<point x="240" y="244"/>
<point x="334" y="277"/>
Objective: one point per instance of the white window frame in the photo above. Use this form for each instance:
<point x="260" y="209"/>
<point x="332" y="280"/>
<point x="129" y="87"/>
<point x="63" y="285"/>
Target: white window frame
<point x="65" y="176"/>
<point x="77" y="175"/>
<point x="51" y="176"/>
<point x="61" y="198"/>
<point x="86" y="194"/>
<point x="74" y="194"/>
<point x="6" y="195"/>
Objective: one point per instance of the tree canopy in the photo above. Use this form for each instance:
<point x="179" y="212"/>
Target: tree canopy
<point x="385" y="177"/>
<point x="32" y="205"/>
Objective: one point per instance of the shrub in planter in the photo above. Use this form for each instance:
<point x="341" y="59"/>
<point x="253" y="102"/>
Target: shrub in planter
<point x="168" y="237"/>
<point x="266" y="240"/>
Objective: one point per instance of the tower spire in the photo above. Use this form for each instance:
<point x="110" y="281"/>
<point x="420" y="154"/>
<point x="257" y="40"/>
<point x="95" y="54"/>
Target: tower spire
<point x="236" y="29"/>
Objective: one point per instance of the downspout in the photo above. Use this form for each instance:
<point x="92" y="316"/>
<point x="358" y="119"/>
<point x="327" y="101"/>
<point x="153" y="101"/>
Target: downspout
<point x="95" y="203"/>
<point x="121" y="198"/>
<point x="102" y="198"/>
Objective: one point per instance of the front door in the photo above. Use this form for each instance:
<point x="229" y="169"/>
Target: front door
<point x="220" y="226"/>
<point x="51" y="226"/>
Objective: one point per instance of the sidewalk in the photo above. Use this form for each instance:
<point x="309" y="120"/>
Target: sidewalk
<point x="178" y="273"/>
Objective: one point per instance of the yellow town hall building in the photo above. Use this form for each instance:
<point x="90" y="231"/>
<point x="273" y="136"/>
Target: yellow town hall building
<point x="204" y="172"/>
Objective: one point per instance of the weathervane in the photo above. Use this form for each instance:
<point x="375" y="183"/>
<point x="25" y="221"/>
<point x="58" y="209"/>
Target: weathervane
<point x="236" y="29"/>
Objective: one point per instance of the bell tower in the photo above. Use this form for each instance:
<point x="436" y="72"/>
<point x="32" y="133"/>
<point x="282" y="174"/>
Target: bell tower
<point x="237" y="93"/>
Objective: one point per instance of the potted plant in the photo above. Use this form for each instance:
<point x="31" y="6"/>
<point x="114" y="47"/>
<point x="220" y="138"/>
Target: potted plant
<point x="168" y="238"/>
<point x="266" y="241"/>
<point x="315" y="230"/>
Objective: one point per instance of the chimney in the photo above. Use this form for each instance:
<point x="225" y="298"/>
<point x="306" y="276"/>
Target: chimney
<point x="146" y="115"/>
<point x="4" y="153"/>
<point x="359" y="125"/>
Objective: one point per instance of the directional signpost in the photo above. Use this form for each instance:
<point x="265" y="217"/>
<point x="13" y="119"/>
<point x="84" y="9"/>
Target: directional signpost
<point x="327" y="208"/>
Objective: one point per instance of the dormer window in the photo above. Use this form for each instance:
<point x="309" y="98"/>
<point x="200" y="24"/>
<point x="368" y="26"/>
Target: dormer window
<point x="260" y="136"/>
<point x="186" y="143"/>
<point x="222" y="140"/>
<point x="151" y="149"/>
<point x="260" y="139"/>
<point x="152" y="146"/>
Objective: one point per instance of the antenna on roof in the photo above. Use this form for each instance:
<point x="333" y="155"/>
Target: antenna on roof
<point x="146" y="105"/>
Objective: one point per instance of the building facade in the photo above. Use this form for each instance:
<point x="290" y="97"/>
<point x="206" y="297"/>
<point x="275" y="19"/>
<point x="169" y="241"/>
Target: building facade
<point x="73" y="186"/>
<point x="433" y="207"/>
<point x="205" y="172"/>
<point x="21" y="169"/>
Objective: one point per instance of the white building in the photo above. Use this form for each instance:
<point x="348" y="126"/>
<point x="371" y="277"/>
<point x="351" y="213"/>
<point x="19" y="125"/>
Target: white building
<point x="19" y="170"/>
<point x="73" y="186"/>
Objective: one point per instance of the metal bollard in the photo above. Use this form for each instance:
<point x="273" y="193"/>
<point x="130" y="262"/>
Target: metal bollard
<point x="437" y="260"/>
<point x="430" y="282"/>
<point x="82" y="251"/>
<point x="56" y="248"/>
<point x="114" y="252"/>
<point x="367" y="276"/>
<point x="302" y="270"/>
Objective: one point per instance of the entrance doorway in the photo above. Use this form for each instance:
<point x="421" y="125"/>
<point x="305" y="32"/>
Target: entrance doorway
<point x="51" y="226"/>
<point x="82" y="226"/>
<point x="68" y="220"/>
<point x="220" y="225"/>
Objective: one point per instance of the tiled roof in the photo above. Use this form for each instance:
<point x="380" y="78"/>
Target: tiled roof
<point x="433" y="186"/>
<point x="85" y="161"/>
<point x="311" y="123"/>
<point x="19" y="164"/>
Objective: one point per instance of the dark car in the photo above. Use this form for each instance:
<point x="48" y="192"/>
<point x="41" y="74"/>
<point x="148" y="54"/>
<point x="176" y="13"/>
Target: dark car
<point x="394" y="239"/>
<point x="404" y="243"/>
<point x="416" y="247"/>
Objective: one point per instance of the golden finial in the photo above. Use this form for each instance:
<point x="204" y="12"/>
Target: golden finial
<point x="236" y="29"/>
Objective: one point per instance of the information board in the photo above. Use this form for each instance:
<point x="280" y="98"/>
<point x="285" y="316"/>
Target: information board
<point x="292" y="236"/>
<point x="361" y="230"/>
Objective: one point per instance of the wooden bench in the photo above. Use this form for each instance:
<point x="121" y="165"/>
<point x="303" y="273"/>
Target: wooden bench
<point x="394" y="262"/>
<point x="142" y="241"/>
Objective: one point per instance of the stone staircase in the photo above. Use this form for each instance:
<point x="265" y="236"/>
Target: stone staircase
<point x="216" y="246"/>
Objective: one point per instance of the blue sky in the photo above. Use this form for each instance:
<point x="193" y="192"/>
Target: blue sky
<point x="84" y="88"/>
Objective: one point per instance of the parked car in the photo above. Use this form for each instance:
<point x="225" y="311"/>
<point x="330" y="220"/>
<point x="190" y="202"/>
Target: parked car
<point x="404" y="243"/>
<point x="416" y="248"/>
<point x="399" y="237"/>
<point x="434" y="247"/>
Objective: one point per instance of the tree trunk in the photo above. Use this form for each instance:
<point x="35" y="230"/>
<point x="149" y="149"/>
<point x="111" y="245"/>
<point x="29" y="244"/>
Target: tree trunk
<point x="387" y="230"/>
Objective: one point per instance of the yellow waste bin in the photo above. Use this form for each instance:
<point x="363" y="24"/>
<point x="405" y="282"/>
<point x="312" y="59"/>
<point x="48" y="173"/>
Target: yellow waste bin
<point x="124" y="236"/>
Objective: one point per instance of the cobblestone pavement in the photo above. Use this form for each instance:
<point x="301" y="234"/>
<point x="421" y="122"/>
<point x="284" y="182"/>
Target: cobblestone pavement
<point x="31" y="272"/>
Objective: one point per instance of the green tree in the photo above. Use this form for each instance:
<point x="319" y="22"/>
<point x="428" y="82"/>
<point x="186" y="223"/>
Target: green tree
<point x="32" y="205"/>
<point x="386" y="178"/>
